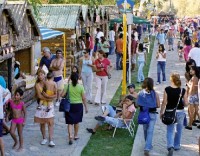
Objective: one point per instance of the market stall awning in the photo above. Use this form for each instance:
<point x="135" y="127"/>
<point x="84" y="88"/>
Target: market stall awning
<point x="47" y="33"/>
<point x="136" y="20"/>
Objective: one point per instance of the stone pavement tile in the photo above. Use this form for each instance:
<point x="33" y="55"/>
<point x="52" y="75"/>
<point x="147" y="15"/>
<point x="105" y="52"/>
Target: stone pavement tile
<point x="189" y="141"/>
<point x="32" y="135"/>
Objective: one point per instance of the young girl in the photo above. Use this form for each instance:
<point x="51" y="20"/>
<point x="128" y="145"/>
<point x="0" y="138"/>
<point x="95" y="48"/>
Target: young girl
<point x="18" y="110"/>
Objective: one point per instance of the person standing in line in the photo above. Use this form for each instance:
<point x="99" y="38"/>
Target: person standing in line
<point x="161" y="62"/>
<point x="57" y="66"/>
<point x="103" y="65"/>
<point x="77" y="100"/>
<point x="148" y="98"/>
<point x="119" y="51"/>
<point x="89" y="43"/>
<point x="47" y="58"/>
<point x="41" y="116"/>
<point x="105" y="46"/>
<point x="193" y="98"/>
<point x="112" y="41"/>
<point x="86" y="64"/>
<point x="170" y="101"/>
<point x="141" y="53"/>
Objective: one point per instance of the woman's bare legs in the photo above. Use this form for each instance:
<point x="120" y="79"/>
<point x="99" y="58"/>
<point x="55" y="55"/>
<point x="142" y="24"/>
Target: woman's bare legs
<point x="42" y="129"/>
<point x="50" y="128"/>
<point x="76" y="127"/>
<point x="70" y="131"/>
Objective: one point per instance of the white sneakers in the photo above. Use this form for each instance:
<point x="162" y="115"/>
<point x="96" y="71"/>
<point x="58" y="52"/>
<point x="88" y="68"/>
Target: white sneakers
<point x="51" y="144"/>
<point x="44" y="141"/>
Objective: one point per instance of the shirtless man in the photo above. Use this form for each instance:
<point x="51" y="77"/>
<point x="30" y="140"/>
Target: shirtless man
<point x="170" y="36"/>
<point x="57" y="66"/>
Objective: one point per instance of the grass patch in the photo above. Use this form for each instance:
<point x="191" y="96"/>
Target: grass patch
<point x="102" y="143"/>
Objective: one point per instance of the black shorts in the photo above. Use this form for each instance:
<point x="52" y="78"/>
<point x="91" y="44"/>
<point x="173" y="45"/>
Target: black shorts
<point x="1" y="127"/>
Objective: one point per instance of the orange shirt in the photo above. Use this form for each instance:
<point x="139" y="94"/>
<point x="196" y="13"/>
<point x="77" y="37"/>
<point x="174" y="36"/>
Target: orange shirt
<point x="119" y="45"/>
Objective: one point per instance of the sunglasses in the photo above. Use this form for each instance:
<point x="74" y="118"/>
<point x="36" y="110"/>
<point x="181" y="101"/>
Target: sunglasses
<point x="84" y="53"/>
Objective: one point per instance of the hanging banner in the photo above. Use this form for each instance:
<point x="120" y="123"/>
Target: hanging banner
<point x="125" y="6"/>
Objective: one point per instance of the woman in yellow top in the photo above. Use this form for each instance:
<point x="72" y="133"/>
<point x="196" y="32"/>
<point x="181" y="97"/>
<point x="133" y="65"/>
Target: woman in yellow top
<point x="77" y="100"/>
<point x="41" y="116"/>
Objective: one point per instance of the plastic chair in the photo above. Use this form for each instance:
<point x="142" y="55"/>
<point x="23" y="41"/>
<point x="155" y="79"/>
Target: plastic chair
<point x="129" y="125"/>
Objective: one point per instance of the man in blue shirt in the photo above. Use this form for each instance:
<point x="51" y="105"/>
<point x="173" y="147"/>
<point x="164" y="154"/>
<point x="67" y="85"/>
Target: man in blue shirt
<point x="47" y="58"/>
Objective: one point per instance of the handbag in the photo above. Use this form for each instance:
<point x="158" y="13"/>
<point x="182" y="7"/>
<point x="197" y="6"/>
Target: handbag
<point x="65" y="102"/>
<point x="169" y="116"/>
<point x="143" y="117"/>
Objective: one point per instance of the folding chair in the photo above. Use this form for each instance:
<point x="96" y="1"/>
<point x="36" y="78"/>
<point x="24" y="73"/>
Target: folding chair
<point x="129" y="125"/>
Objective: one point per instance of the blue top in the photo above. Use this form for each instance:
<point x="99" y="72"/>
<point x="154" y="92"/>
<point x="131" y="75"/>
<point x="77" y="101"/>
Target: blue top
<point x="161" y="38"/>
<point x="2" y="82"/>
<point x="47" y="62"/>
<point x="147" y="99"/>
<point x="85" y="67"/>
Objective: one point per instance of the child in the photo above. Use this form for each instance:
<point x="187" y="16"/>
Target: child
<point x="18" y="110"/>
<point x="50" y="90"/>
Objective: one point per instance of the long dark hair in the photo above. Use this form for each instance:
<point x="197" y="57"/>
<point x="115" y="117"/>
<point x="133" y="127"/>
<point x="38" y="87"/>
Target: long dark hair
<point x="196" y="71"/>
<point x="189" y="63"/>
<point x="74" y="78"/>
<point x="141" y="47"/>
<point x="148" y="84"/>
<point x="162" y="46"/>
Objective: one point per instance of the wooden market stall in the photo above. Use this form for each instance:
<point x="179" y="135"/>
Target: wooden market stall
<point x="67" y="18"/>
<point x="19" y="32"/>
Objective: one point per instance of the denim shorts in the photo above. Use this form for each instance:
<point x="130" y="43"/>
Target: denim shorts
<point x="193" y="99"/>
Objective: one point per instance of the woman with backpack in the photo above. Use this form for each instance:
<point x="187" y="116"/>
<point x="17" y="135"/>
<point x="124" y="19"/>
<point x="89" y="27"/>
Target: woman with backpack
<point x="174" y="98"/>
<point x="148" y="100"/>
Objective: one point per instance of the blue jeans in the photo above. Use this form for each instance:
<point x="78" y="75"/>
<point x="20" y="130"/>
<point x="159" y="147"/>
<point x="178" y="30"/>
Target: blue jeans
<point x="112" y="47"/>
<point x="148" y="132"/>
<point x="118" y="57"/>
<point x="161" y="68"/>
<point x="140" y="76"/>
<point x="111" y="111"/>
<point x="174" y="131"/>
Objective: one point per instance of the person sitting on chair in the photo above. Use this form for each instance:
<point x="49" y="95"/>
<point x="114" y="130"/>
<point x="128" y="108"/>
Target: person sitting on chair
<point x="111" y="117"/>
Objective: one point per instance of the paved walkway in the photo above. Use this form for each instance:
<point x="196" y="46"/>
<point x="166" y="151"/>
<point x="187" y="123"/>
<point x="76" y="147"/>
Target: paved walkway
<point x="32" y="135"/>
<point x="189" y="141"/>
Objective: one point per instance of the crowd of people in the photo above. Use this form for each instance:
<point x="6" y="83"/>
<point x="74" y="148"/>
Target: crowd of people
<point x="95" y="65"/>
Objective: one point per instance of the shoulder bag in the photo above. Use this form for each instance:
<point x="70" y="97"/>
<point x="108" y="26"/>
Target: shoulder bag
<point x="169" y="116"/>
<point x="65" y="102"/>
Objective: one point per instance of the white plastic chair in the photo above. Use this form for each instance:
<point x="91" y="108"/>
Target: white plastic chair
<point x="129" y="125"/>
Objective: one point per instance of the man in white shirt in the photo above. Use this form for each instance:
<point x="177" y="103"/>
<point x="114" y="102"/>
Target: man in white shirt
<point x="195" y="55"/>
<point x="112" y="41"/>
<point x="2" y="95"/>
<point x="99" y="34"/>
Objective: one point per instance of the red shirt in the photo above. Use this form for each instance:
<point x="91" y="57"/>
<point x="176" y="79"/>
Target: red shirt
<point x="102" y="64"/>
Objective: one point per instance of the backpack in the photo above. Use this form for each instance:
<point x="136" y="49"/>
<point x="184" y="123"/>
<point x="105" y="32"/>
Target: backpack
<point x="143" y="117"/>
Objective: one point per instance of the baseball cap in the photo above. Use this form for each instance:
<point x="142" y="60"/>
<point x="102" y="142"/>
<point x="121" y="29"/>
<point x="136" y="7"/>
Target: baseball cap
<point x="131" y="86"/>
